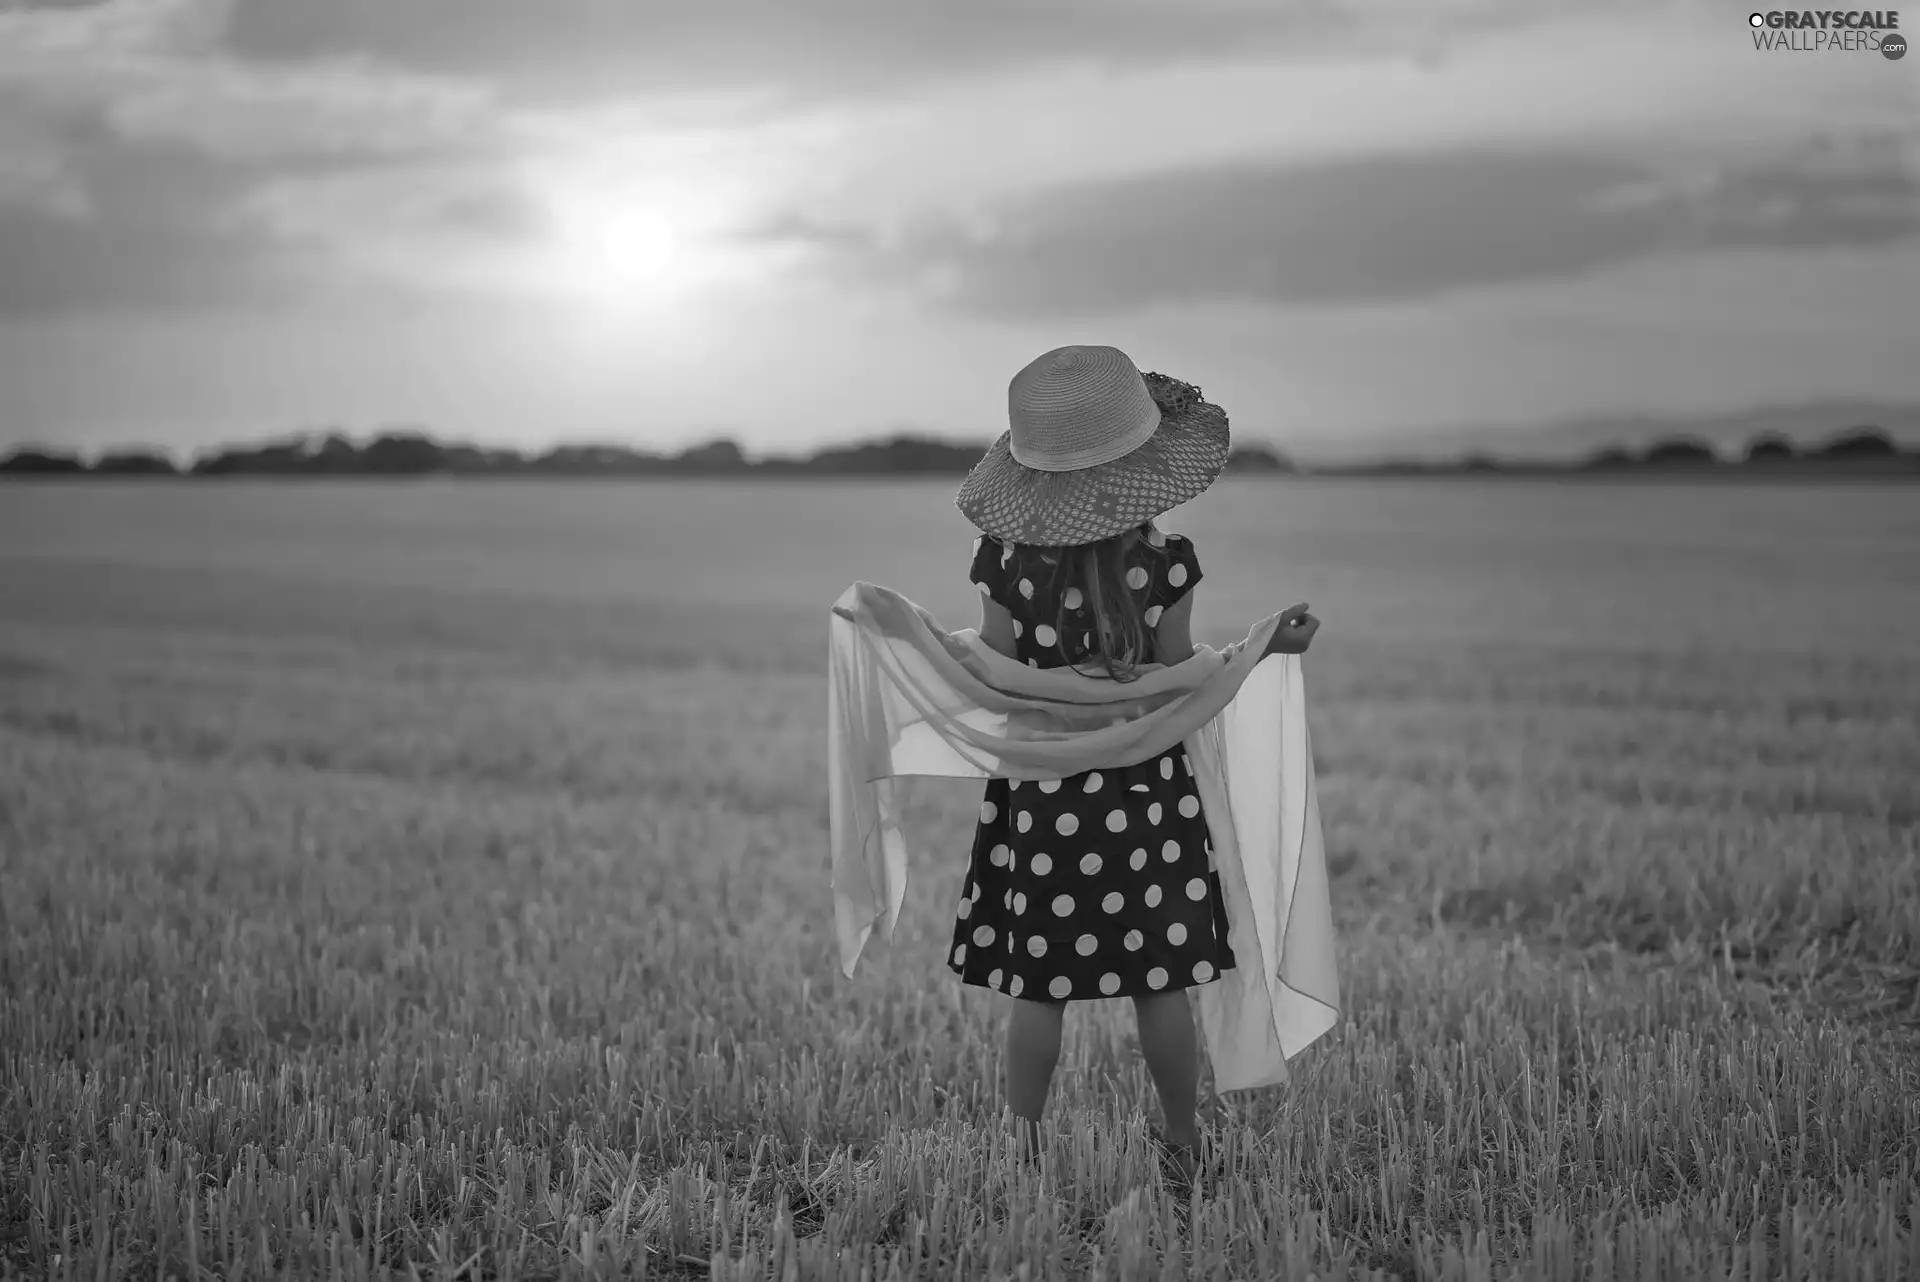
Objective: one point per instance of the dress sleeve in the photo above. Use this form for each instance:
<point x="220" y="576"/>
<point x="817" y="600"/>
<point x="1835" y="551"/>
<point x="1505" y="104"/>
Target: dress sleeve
<point x="1181" y="572"/>
<point x="986" y="573"/>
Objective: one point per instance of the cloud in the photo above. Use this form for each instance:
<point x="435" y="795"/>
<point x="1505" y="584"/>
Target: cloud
<point x="154" y="234"/>
<point x="1369" y="229"/>
<point x="837" y="46"/>
<point x="141" y="165"/>
<point x="153" y="73"/>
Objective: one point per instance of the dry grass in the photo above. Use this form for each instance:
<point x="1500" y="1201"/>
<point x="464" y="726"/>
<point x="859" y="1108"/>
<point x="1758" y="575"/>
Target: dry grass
<point x="424" y="880"/>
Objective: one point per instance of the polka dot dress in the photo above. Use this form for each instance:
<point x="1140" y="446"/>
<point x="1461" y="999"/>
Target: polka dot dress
<point x="1100" y="885"/>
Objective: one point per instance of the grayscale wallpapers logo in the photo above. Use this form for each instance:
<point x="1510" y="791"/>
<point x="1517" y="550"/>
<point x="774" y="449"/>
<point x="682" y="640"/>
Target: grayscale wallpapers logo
<point x="1829" y="31"/>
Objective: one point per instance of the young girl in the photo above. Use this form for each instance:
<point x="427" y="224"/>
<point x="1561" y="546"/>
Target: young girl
<point x="1102" y="884"/>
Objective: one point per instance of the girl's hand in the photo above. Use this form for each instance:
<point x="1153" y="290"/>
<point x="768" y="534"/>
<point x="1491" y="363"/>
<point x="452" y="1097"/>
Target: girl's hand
<point x="1295" y="632"/>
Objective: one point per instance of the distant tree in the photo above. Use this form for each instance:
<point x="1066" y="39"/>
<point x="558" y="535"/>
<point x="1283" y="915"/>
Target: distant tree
<point x="283" y="459"/>
<point x="334" y="453"/>
<point x="1679" y="452"/>
<point x="1258" y="459"/>
<point x="899" y="455"/>
<point x="1480" y="463"/>
<point x="1611" y="459"/>
<point x="404" y="453"/>
<point x="715" y="456"/>
<point x="37" y="462"/>
<point x="1770" y="448"/>
<point x="1859" y="443"/>
<point x="135" y="463"/>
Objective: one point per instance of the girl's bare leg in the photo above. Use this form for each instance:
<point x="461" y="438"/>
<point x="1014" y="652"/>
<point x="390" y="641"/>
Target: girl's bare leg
<point x="1033" y="1048"/>
<point x="1172" y="1052"/>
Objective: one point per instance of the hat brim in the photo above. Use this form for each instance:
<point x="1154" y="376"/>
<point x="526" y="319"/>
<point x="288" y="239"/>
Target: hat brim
<point x="1020" y="504"/>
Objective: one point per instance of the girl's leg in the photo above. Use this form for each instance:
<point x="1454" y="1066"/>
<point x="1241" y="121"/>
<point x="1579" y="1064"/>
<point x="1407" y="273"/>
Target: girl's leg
<point x="1172" y="1052"/>
<point x="1033" y="1048"/>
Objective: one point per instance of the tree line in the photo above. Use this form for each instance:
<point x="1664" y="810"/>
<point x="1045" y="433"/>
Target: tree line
<point x="415" y="453"/>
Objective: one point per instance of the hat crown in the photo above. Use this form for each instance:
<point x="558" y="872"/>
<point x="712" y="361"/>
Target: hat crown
<point x="1077" y="407"/>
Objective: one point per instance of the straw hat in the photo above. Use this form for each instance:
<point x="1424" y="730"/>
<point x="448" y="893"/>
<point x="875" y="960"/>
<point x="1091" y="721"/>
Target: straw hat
<point x="1095" y="448"/>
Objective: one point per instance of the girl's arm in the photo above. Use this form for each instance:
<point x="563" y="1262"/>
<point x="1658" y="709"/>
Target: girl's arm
<point x="1173" y="635"/>
<point x="996" y="626"/>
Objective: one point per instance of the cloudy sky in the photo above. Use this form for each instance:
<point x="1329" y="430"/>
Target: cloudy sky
<point x="795" y="222"/>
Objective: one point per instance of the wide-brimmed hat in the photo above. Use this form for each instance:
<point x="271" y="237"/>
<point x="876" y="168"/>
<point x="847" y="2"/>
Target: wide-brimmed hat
<point x="1095" y="448"/>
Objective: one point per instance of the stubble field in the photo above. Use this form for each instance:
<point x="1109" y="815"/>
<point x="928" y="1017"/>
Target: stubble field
<point x="430" y="879"/>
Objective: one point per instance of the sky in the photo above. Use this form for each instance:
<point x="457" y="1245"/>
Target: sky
<point x="795" y="224"/>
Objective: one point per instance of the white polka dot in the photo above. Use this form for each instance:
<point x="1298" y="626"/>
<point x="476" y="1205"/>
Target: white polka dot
<point x="1109" y="983"/>
<point x="1153" y="812"/>
<point x="1037" y="945"/>
<point x="1042" y="864"/>
<point x="1074" y="598"/>
<point x="1155" y="538"/>
<point x="1085" y="945"/>
<point x="965" y="910"/>
<point x="1086" y="641"/>
<point x="1033" y="663"/>
<point x="1138" y="859"/>
<point x="1157" y="977"/>
<point x="1090" y="864"/>
<point x="983" y="589"/>
<point x="1189" y="805"/>
<point x="1066" y="825"/>
<point x="1061" y="987"/>
<point x="1045" y="635"/>
<point x="1018" y="628"/>
<point x="1137" y="578"/>
<point x="1006" y="553"/>
<point x="1166" y="767"/>
<point x="1049" y="785"/>
<point x="1006" y="901"/>
<point x="1019" y="901"/>
<point x="1133" y="941"/>
<point x="1114" y="901"/>
<point x="983" y="936"/>
<point x="999" y="855"/>
<point x="1024" y="821"/>
<point x="1153" y="616"/>
<point x="978" y="543"/>
<point x="1197" y="889"/>
<point x="1026" y="588"/>
<point x="1152" y="896"/>
<point x="1013" y="989"/>
<point x="1170" y="851"/>
<point x="976" y="891"/>
<point x="1093" y="782"/>
<point x="1116" y="821"/>
<point x="1177" y="934"/>
<point x="993" y="978"/>
<point x="1139" y="787"/>
<point x="1063" y="905"/>
<point x="988" y="812"/>
<point x="1189" y="764"/>
<point x="1177" y="575"/>
<point x="960" y="955"/>
<point x="1202" y="971"/>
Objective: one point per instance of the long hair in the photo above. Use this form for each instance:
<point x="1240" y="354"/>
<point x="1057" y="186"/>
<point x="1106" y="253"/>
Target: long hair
<point x="1118" y="636"/>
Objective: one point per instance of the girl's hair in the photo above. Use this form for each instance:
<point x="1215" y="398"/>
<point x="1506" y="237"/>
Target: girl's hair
<point x="1120" y="638"/>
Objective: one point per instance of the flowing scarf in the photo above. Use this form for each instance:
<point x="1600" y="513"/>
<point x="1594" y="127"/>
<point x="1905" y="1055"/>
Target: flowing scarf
<point x="907" y="697"/>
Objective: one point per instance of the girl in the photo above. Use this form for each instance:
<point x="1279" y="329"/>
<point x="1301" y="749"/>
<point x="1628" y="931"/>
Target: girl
<point x="1099" y="885"/>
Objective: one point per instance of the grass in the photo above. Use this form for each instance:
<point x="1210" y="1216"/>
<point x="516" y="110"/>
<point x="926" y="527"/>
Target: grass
<point x="428" y="881"/>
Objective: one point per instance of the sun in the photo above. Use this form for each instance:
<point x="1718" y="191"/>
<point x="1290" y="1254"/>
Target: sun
<point x="614" y="246"/>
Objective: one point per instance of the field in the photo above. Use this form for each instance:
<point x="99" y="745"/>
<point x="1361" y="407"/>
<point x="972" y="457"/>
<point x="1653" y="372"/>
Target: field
<point x="430" y="879"/>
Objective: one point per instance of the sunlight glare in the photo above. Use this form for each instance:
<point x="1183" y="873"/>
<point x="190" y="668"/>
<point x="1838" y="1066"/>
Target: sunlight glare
<point x="614" y="248"/>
